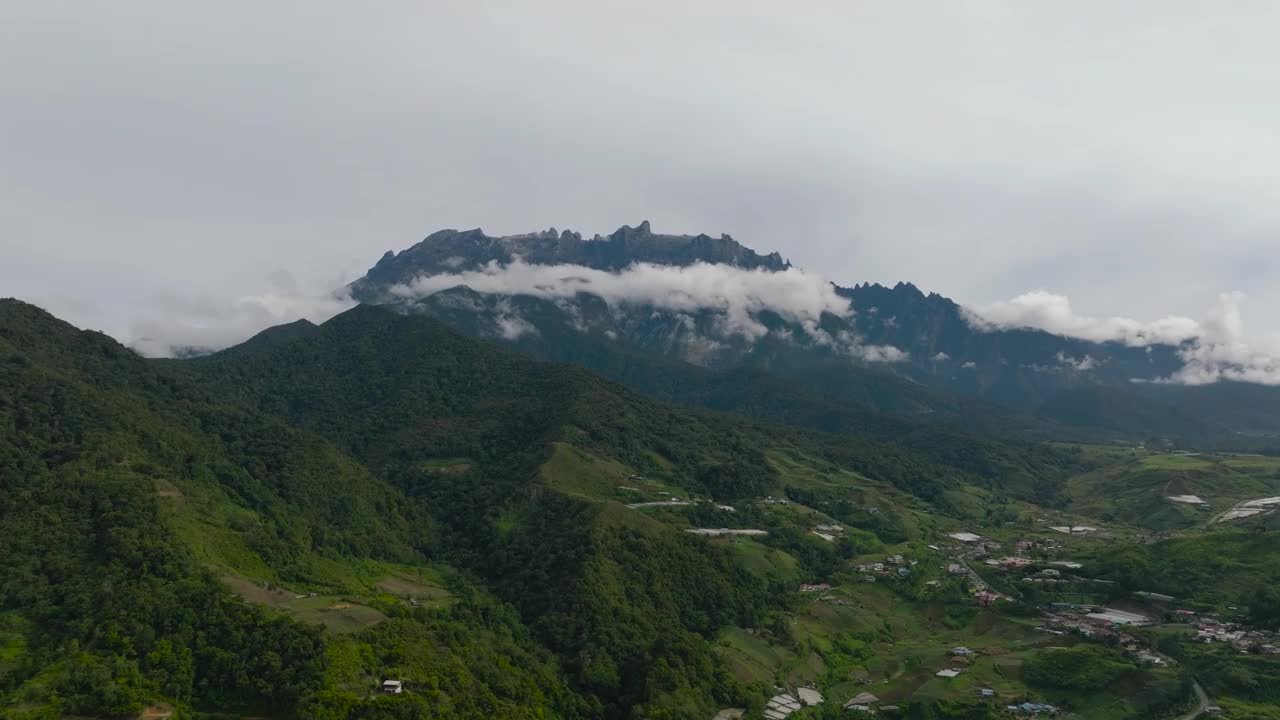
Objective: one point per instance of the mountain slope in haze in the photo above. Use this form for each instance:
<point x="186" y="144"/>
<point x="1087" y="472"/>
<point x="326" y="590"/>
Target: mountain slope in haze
<point x="369" y="377"/>
<point x="930" y="341"/>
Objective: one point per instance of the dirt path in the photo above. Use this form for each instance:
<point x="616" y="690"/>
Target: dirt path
<point x="159" y="711"/>
<point x="1202" y="702"/>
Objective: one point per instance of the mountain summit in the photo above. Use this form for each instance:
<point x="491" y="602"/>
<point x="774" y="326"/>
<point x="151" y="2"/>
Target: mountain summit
<point x="635" y="298"/>
<point x="449" y="251"/>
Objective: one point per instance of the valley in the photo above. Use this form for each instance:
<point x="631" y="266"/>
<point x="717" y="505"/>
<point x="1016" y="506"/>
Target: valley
<point x="501" y="535"/>
<point x="639" y="361"/>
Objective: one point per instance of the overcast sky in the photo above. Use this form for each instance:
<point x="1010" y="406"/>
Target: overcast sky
<point x="162" y="161"/>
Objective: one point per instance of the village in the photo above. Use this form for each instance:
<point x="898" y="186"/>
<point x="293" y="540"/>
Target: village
<point x="1086" y="622"/>
<point x="1045" y="559"/>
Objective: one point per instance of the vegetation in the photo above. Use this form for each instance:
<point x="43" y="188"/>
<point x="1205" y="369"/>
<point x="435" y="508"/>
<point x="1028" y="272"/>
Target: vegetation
<point x="1084" y="667"/>
<point x="1217" y="569"/>
<point x="276" y="529"/>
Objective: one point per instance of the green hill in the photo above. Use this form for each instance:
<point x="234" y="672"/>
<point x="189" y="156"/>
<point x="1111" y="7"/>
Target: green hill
<point x="236" y="533"/>
<point x="1143" y="489"/>
<point x="273" y="530"/>
<point x="128" y="495"/>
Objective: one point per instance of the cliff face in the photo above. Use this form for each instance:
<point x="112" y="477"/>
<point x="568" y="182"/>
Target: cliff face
<point x="453" y="250"/>
<point x="922" y="339"/>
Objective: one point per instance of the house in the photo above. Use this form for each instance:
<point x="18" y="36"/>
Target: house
<point x="393" y="687"/>
<point x="864" y="700"/>
<point x="1213" y="710"/>
<point x="961" y="651"/>
<point x="1030" y="708"/>
<point x="986" y="693"/>
<point x="780" y="706"/>
<point x="809" y="696"/>
<point x="948" y="673"/>
<point x="894" y="559"/>
<point x="820" y="587"/>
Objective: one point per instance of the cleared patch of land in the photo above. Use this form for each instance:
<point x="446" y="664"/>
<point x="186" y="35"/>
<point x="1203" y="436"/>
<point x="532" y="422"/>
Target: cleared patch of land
<point x="334" y="612"/>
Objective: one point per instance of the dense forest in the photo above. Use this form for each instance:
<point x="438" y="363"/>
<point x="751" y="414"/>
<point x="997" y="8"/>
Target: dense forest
<point x="159" y="516"/>
<point x="114" y="604"/>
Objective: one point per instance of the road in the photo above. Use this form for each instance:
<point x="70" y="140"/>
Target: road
<point x="1202" y="702"/>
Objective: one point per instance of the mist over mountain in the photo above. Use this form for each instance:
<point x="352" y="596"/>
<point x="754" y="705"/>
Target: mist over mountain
<point x="716" y="304"/>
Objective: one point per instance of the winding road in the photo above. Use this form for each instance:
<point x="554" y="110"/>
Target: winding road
<point x="1202" y="702"/>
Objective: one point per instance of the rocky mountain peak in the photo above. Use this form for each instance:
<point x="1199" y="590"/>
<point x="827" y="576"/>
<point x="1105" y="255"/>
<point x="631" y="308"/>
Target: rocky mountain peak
<point x="448" y="251"/>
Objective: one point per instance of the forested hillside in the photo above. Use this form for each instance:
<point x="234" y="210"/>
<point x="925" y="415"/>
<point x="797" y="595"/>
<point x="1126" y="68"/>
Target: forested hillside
<point x="138" y="492"/>
<point x="109" y="587"/>
<point x="276" y="529"/>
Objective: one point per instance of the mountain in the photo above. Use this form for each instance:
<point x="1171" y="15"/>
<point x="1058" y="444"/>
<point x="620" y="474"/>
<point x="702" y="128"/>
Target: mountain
<point x="451" y="250"/>
<point x="435" y="502"/>
<point x="277" y="528"/>
<point x="893" y="350"/>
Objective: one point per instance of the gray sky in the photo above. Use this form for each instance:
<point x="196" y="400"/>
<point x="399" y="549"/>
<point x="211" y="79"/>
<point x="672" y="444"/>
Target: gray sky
<point x="195" y="170"/>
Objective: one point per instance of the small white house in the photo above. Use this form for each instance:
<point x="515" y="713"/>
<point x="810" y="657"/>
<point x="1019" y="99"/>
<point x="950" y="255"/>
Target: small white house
<point x="393" y="687"/>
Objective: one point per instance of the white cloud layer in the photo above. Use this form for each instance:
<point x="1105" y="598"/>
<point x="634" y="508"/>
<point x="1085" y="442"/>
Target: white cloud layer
<point x="1212" y="349"/>
<point x="1053" y="313"/>
<point x="1122" y="153"/>
<point x="736" y="294"/>
<point x="1221" y="352"/>
<point x="211" y="324"/>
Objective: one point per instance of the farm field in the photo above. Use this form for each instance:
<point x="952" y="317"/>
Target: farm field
<point x="1137" y="489"/>
<point x="349" y="611"/>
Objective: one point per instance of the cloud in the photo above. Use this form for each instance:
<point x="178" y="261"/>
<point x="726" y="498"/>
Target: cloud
<point x="510" y="325"/>
<point x="736" y="295"/>
<point x="176" y="323"/>
<point x="1080" y="365"/>
<point x="1212" y="349"/>
<point x="1101" y="176"/>
<point x="879" y="353"/>
<point x="1220" y="351"/>
<point x="1050" y="312"/>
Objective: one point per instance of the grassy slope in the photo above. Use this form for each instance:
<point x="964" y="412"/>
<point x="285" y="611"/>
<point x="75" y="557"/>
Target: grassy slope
<point x="1135" y="489"/>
